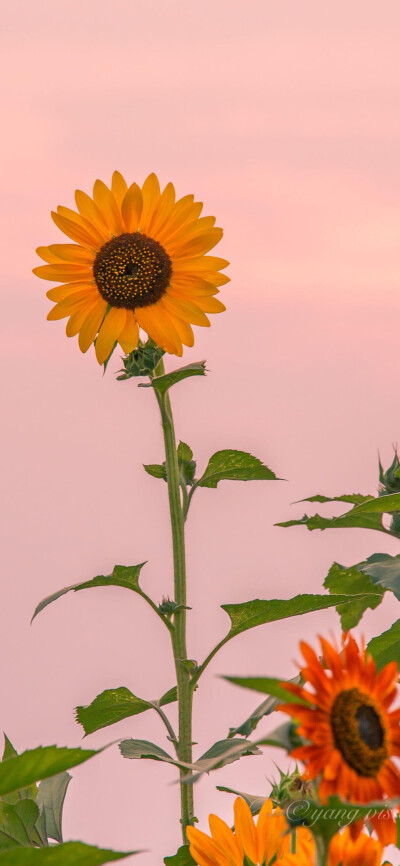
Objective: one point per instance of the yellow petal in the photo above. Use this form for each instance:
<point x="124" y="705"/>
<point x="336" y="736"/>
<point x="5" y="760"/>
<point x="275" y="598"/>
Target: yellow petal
<point x="223" y="837"/>
<point x="119" y="187"/>
<point x="132" y="206"/>
<point x="184" y="214"/>
<point x="89" y="210"/>
<point x="151" y="195"/>
<point x="91" y="325"/>
<point x="68" y="306"/>
<point x="59" y="293"/>
<point x="210" y="305"/>
<point x="129" y="336"/>
<point x="186" y="310"/>
<point x="163" y="210"/>
<point x="76" y="232"/>
<point x="245" y="830"/>
<point x="219" y="279"/>
<point x="108" y="206"/>
<point x="204" y="851"/>
<point x="183" y="328"/>
<point x="110" y="330"/>
<point x="197" y="245"/>
<point x="199" y="265"/>
<point x="66" y="253"/>
<point x="63" y="273"/>
<point x="159" y="328"/>
<point x="191" y="286"/>
<point x="77" y="319"/>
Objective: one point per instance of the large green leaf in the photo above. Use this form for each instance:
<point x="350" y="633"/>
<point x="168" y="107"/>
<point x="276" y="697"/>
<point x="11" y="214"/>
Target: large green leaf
<point x="283" y="737"/>
<point x="384" y="571"/>
<point x="269" y="686"/>
<point x="163" y="383"/>
<point x="33" y="765"/>
<point x="361" y="591"/>
<point x="349" y="520"/>
<point x="50" y="799"/>
<point x="113" y="705"/>
<point x="182" y="857"/>
<point x="30" y="792"/>
<point x="385" y="647"/>
<point x="67" y="854"/>
<point x="234" y="466"/>
<point x="250" y="614"/>
<point x="122" y="575"/>
<point x="17" y="823"/>
<point x="221" y="753"/>
<point x="265" y="709"/>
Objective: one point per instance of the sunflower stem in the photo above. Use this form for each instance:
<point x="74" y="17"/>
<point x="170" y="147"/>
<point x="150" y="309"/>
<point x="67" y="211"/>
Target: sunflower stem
<point x="321" y="851"/>
<point x="178" y="634"/>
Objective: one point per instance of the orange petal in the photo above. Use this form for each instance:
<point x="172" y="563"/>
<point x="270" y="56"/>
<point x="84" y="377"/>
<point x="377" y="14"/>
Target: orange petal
<point x="159" y="328"/>
<point x="245" y="830"/>
<point x="119" y="187"/>
<point x="76" y="232"/>
<point x="90" y="211"/>
<point x="151" y="195"/>
<point x="109" y="333"/>
<point x="91" y="325"/>
<point x="129" y="336"/>
<point x="107" y="204"/>
<point x="63" y="273"/>
<point x="132" y="207"/>
<point x="186" y="310"/>
<point x="67" y="253"/>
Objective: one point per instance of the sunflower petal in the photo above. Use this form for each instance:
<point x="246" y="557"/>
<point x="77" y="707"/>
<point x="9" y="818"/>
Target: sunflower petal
<point x="63" y="273"/>
<point x="119" y="187"/>
<point x="109" y="333"/>
<point x="132" y="207"/>
<point x="91" y="325"/>
<point x="151" y="195"/>
<point x="76" y="232"/>
<point x="129" y="336"/>
<point x="90" y="211"/>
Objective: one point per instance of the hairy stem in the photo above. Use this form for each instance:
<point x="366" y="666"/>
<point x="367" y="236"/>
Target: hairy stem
<point x="178" y="634"/>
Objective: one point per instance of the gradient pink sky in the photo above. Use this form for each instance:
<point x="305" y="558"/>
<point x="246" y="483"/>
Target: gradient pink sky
<point x="284" y="119"/>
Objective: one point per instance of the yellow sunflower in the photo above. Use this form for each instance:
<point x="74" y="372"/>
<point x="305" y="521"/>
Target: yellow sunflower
<point x="353" y="734"/>
<point x="138" y="261"/>
<point x="263" y="842"/>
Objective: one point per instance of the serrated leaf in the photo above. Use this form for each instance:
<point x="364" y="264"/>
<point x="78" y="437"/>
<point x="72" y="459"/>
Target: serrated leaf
<point x="230" y="465"/>
<point x="182" y="857"/>
<point x="385" y="647"/>
<point x="282" y="737"/>
<point x="126" y="576"/>
<point x="384" y="571"/>
<point x="50" y="799"/>
<point x="113" y="705"/>
<point x="37" y="764"/>
<point x="267" y="685"/>
<point x="157" y="470"/>
<point x="163" y="383"/>
<point x="252" y="721"/>
<point x="352" y="498"/>
<point x="362" y="593"/>
<point x="17" y="823"/>
<point x="66" y="854"/>
<point x="350" y="520"/>
<point x="9" y="750"/>
<point x="255" y="801"/>
<point x="380" y="504"/>
<point x="250" y="614"/>
<point x="221" y="753"/>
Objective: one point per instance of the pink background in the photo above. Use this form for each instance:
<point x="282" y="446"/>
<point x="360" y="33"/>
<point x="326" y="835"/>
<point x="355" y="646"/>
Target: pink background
<point x="284" y="119"/>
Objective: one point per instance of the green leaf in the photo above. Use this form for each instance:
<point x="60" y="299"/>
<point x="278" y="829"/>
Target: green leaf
<point x="17" y="823"/>
<point x="113" y="705"/>
<point x="234" y="466"/>
<point x="380" y="504"/>
<point x="385" y="647"/>
<point x="384" y="571"/>
<point x="157" y="470"/>
<point x="50" y="799"/>
<point x="283" y="737"/>
<point x="67" y="854"/>
<point x="349" y="520"/>
<point x="265" y="709"/>
<point x="122" y="575"/>
<point x="221" y="753"/>
<point x="36" y="764"/>
<point x="360" y="590"/>
<point x="353" y="498"/>
<point x="258" y="612"/>
<point x="9" y="750"/>
<point x="30" y="792"/>
<point x="255" y="801"/>
<point x="267" y="685"/>
<point x="182" y="857"/>
<point x="163" y="383"/>
<point x="184" y="452"/>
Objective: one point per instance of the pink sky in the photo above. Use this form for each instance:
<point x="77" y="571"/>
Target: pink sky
<point x="284" y="119"/>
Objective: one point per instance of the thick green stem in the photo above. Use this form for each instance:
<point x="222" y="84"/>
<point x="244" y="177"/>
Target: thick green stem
<point x="321" y="851"/>
<point x="178" y="633"/>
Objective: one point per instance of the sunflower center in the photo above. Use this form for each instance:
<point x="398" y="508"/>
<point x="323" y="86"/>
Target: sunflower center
<point x="132" y="270"/>
<point x="359" y="732"/>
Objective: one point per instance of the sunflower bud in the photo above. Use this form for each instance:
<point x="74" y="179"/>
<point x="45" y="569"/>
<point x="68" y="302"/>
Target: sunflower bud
<point x="142" y="361"/>
<point x="390" y="483"/>
<point x="291" y="788"/>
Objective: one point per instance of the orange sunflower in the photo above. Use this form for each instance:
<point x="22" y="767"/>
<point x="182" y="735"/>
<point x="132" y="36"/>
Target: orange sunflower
<point x="262" y="843"/>
<point x="138" y="261"/>
<point x="353" y="733"/>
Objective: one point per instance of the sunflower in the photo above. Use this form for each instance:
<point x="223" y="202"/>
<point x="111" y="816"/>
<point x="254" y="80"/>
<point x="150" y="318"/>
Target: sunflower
<point x="363" y="851"/>
<point x="262" y="843"/>
<point x="352" y="732"/>
<point x="138" y="261"/>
